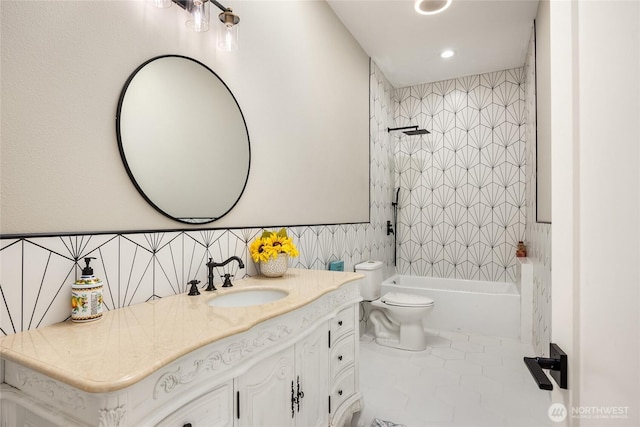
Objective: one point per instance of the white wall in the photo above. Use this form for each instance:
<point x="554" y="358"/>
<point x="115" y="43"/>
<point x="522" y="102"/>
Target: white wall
<point x="595" y="66"/>
<point x="300" y="78"/>
<point x="565" y="240"/>
<point x="609" y="153"/>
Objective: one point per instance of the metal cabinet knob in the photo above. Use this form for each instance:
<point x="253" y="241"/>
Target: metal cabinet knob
<point x="340" y="357"/>
<point x="339" y="322"/>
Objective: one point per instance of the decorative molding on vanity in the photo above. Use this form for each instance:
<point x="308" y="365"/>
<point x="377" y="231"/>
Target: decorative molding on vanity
<point x="327" y="302"/>
<point x="231" y="355"/>
<point x="246" y="345"/>
<point x="60" y="393"/>
<point x="113" y="417"/>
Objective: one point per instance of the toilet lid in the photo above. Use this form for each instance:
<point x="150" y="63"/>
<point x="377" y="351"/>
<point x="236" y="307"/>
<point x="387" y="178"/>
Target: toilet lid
<point x="406" y="300"/>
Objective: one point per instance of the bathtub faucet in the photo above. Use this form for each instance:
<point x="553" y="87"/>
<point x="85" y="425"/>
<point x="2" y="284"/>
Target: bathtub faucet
<point x="211" y="264"/>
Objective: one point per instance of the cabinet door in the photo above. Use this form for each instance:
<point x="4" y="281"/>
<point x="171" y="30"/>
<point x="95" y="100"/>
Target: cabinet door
<point x="213" y="409"/>
<point x="25" y="418"/>
<point x="312" y="372"/>
<point x="13" y="414"/>
<point x="265" y="392"/>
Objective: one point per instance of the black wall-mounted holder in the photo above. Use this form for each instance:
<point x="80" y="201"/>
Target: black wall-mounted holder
<point x="557" y="365"/>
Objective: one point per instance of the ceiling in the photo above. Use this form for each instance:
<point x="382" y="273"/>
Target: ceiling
<point x="486" y="35"/>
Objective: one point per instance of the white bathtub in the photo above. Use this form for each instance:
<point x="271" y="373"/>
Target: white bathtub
<point x="487" y="308"/>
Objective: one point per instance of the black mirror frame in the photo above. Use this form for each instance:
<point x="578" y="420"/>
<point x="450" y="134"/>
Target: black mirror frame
<point x="126" y="164"/>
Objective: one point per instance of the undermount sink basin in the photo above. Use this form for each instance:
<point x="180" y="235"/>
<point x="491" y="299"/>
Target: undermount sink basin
<point x="247" y="297"/>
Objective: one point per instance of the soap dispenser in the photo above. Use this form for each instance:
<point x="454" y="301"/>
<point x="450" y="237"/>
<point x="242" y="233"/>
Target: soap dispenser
<point x="86" y="296"/>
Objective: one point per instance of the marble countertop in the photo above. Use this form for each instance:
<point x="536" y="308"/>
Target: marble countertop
<point x="128" y="344"/>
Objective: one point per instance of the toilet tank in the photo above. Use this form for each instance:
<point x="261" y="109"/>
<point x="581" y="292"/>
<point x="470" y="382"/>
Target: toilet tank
<point x="372" y="270"/>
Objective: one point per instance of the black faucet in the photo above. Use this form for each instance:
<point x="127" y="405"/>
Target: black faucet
<point x="211" y="264"/>
<point x="227" y="280"/>
<point x="194" y="287"/>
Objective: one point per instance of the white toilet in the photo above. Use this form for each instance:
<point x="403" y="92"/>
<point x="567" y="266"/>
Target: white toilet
<point x="397" y="317"/>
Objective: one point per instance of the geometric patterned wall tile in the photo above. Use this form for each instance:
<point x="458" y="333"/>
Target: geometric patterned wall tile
<point x="37" y="273"/>
<point x="466" y="180"/>
<point x="10" y="272"/>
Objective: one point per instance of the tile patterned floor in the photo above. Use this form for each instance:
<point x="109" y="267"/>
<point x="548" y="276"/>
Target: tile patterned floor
<point x="460" y="380"/>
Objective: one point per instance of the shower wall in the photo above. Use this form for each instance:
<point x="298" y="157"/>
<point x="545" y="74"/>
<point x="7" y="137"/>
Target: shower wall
<point x="462" y="199"/>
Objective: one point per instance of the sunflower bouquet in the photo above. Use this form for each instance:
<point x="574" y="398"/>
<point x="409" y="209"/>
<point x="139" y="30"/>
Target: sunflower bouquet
<point x="271" y="244"/>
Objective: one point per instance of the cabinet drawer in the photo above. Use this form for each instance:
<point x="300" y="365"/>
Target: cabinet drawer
<point x="342" y="354"/>
<point x="342" y="324"/>
<point x="343" y="388"/>
<point x="213" y="409"/>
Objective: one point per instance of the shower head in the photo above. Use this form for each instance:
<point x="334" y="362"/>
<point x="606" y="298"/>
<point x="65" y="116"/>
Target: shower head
<point x="414" y="130"/>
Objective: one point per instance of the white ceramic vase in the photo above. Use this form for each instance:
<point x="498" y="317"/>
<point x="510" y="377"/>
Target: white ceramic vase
<point x="275" y="267"/>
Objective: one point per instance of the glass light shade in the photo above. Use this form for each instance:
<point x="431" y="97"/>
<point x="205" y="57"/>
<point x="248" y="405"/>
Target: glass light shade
<point x="227" y="37"/>
<point x="161" y="4"/>
<point x="198" y="15"/>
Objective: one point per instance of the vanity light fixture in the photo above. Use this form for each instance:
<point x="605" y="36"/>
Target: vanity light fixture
<point x="447" y="54"/>
<point x="431" y="7"/>
<point x="199" y="20"/>
<point x="228" y="31"/>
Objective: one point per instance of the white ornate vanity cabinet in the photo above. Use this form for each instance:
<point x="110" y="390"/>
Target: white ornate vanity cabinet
<point x="178" y="361"/>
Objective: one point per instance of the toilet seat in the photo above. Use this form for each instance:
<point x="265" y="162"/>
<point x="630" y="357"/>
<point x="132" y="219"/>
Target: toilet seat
<point x="400" y="299"/>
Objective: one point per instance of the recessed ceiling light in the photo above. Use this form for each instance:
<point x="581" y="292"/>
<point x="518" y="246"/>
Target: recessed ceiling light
<point x="431" y="7"/>
<point x="447" y="53"/>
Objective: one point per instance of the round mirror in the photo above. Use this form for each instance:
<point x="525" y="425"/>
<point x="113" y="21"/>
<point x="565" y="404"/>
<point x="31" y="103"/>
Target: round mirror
<point x="183" y="139"/>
